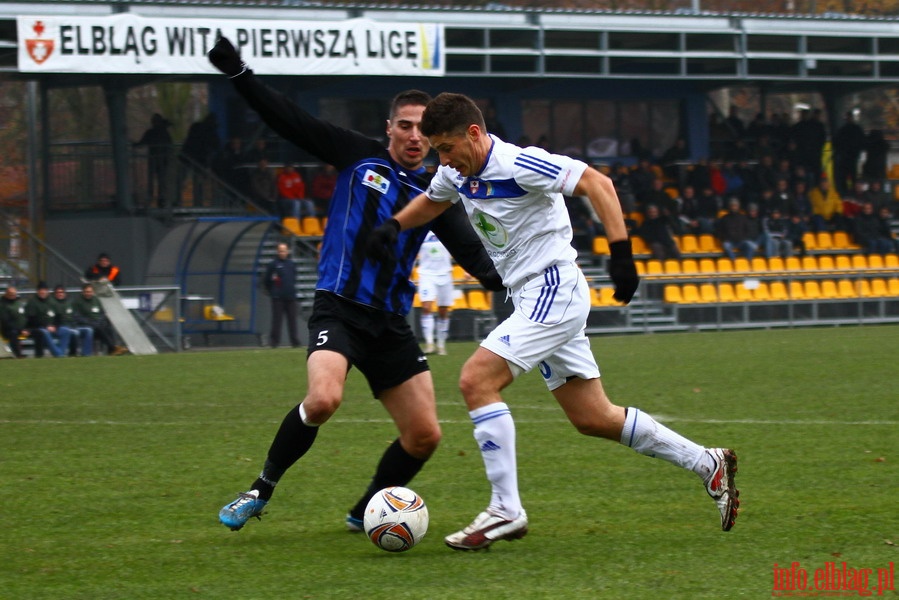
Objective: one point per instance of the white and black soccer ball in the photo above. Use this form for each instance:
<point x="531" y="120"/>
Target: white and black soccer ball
<point x="396" y="519"/>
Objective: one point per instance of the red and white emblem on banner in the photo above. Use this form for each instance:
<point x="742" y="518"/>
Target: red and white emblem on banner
<point x="39" y="49"/>
<point x="473" y="185"/>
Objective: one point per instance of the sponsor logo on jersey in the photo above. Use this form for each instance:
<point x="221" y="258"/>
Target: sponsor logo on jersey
<point x="375" y="181"/>
<point x="491" y="229"/>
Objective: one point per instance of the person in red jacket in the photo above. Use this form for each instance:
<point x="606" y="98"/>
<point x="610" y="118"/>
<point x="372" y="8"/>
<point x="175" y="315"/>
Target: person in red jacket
<point x="292" y="201"/>
<point x="104" y="270"/>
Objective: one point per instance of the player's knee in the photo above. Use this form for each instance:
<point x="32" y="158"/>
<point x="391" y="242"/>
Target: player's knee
<point x="320" y="407"/>
<point x="422" y="443"/>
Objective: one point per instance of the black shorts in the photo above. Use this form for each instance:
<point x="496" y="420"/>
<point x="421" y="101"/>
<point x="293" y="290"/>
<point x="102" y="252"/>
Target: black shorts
<point x="380" y="344"/>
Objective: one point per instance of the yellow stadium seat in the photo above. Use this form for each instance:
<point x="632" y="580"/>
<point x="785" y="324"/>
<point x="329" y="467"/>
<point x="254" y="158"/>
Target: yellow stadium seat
<point x="726" y="292"/>
<point x="894" y="172"/>
<point x="825" y="262"/>
<point x="891" y="261"/>
<point x="796" y="290"/>
<point x="792" y="263"/>
<point x="311" y="226"/>
<point x="636" y="217"/>
<point x="778" y="290"/>
<point x="689" y="244"/>
<point x="759" y="264"/>
<point x="459" y="274"/>
<point x="690" y="294"/>
<point x="842" y="241"/>
<point x="829" y="289"/>
<point x="638" y="245"/>
<point x="812" y="289"/>
<point x="842" y="262"/>
<point x="808" y="238"/>
<point x="689" y="265"/>
<point x="775" y="264"/>
<point x="893" y="286"/>
<point x="641" y="267"/>
<point x="809" y="263"/>
<point x="606" y="297"/>
<point x="879" y="288"/>
<point x="846" y="289"/>
<point x="875" y="261"/>
<point x="708" y="292"/>
<point x="706" y="265"/>
<point x="416" y="301"/>
<point x="742" y="265"/>
<point x="654" y="267"/>
<point x="478" y="300"/>
<point x="671" y="266"/>
<point x="708" y="243"/>
<point x="824" y="240"/>
<point x="863" y="288"/>
<point x="672" y="293"/>
<point x="743" y="293"/>
<point x="292" y="225"/>
<point x="600" y="245"/>
<point x="461" y="302"/>
<point x="724" y="265"/>
<point x="761" y="293"/>
<point x="212" y="312"/>
<point x="414" y="275"/>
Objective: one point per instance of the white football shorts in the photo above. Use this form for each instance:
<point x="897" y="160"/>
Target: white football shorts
<point x="436" y="287"/>
<point x="547" y="327"/>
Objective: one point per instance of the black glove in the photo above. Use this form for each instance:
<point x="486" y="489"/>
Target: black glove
<point x="492" y="281"/>
<point x="381" y="244"/>
<point x="226" y="59"/>
<point x="623" y="271"/>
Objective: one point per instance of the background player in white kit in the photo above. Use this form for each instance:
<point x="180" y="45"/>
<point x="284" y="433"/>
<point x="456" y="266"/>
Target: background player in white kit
<point x="513" y="196"/>
<point x="436" y="291"/>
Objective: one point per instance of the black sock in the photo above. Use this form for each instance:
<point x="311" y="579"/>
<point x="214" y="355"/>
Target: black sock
<point x="293" y="440"/>
<point x="397" y="467"/>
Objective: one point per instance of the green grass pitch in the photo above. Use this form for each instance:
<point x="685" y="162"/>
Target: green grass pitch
<point x="113" y="471"/>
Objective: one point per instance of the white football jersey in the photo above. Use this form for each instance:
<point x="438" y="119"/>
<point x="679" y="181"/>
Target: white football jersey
<point x="434" y="258"/>
<point x="515" y="204"/>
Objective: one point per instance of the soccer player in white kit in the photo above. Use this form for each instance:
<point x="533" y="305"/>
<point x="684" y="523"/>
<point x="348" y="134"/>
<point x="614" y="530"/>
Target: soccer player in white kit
<point x="513" y="196"/>
<point x="436" y="291"/>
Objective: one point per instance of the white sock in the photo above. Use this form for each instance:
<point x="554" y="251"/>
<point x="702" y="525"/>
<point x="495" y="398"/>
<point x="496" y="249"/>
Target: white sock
<point x="427" y="327"/>
<point x="647" y="436"/>
<point x="494" y="431"/>
<point x="442" y="331"/>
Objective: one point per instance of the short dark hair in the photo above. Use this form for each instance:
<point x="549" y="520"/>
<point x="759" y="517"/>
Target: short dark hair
<point x="451" y="113"/>
<point x="409" y="97"/>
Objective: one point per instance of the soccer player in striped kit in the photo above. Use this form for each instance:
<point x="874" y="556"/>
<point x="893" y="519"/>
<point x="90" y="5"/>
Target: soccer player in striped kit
<point x="360" y="307"/>
<point x="514" y="199"/>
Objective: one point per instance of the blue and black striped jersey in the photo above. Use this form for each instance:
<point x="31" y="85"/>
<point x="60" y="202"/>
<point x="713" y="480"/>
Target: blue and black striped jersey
<point x="370" y="189"/>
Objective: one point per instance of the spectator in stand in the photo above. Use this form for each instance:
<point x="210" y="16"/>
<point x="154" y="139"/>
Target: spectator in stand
<point x="673" y="158"/>
<point x="796" y="233"/>
<point x="877" y="150"/>
<point x="641" y="179"/>
<point x="736" y="232"/>
<point x="801" y="206"/>
<point x="783" y="169"/>
<point x="104" y="270"/>
<point x="700" y="175"/>
<point x="13" y="319"/>
<point x="780" y="130"/>
<point x="323" y="184"/>
<point x="656" y="233"/>
<point x="88" y="312"/>
<point x="709" y="206"/>
<point x="620" y="175"/>
<point x="879" y="197"/>
<point x="292" y="201"/>
<point x="689" y="211"/>
<point x="733" y="179"/>
<point x="257" y="152"/>
<point x="848" y="144"/>
<point x="583" y="225"/>
<point x="41" y="322"/>
<point x="735" y="125"/>
<point x="229" y="162"/>
<point x="776" y="235"/>
<point x="766" y="173"/>
<point x="810" y="140"/>
<point x="800" y="173"/>
<point x="781" y="198"/>
<point x="264" y="187"/>
<point x="758" y="129"/>
<point x="872" y="231"/>
<point x="852" y="200"/>
<point x="81" y="336"/>
<point x="199" y="148"/>
<point x="827" y="207"/>
<point x="790" y="152"/>
<point x="159" y="156"/>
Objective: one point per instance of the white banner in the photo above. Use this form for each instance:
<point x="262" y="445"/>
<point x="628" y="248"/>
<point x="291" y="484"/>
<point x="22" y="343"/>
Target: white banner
<point x="128" y="43"/>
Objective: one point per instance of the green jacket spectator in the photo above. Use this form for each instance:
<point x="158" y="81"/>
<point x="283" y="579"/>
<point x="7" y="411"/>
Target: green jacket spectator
<point x="41" y="314"/>
<point x="12" y="319"/>
<point x="89" y="312"/>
